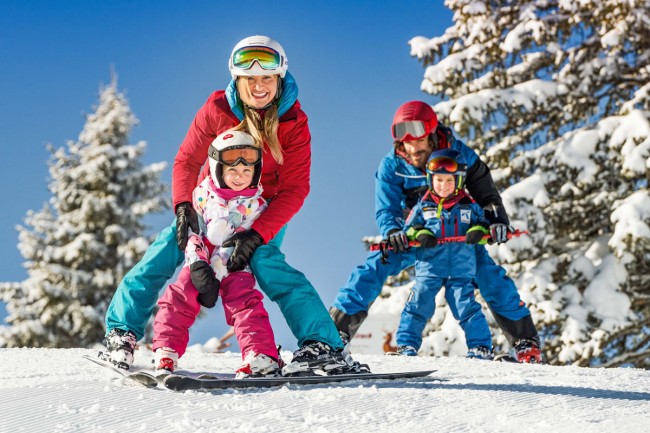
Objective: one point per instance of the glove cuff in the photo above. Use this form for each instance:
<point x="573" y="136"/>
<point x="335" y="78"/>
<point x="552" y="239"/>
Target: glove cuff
<point x="183" y="204"/>
<point x="413" y="232"/>
<point x="391" y="231"/>
<point x="476" y="230"/>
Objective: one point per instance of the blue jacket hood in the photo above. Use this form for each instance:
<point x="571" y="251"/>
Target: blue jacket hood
<point x="287" y="99"/>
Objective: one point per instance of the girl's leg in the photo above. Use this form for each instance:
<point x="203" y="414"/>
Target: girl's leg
<point x="244" y="310"/>
<point x="178" y="310"/>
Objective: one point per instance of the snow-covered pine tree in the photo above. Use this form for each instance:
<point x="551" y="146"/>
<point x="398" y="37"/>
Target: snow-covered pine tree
<point x="555" y="94"/>
<point x="78" y="247"/>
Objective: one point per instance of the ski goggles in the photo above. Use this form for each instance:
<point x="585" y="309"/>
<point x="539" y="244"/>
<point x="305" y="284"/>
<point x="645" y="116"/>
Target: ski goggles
<point x="235" y="155"/>
<point x="410" y="130"/>
<point x="439" y="163"/>
<point x="266" y="57"/>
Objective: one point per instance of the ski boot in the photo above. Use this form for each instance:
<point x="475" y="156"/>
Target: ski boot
<point x="407" y="351"/>
<point x="527" y="351"/>
<point x="165" y="360"/>
<point x="317" y="358"/>
<point x="120" y="345"/>
<point x="480" y="352"/>
<point x="258" y="365"/>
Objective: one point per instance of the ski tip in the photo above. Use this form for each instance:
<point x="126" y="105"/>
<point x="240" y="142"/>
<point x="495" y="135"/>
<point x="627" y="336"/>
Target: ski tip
<point x="146" y="379"/>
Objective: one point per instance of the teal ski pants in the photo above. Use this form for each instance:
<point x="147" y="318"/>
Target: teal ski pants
<point x="300" y="304"/>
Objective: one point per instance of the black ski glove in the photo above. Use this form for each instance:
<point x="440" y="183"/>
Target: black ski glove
<point x="499" y="233"/>
<point x="208" y="300"/>
<point x="475" y="235"/>
<point x="423" y="235"/>
<point x="427" y="240"/>
<point x="245" y="243"/>
<point x="398" y="240"/>
<point x="185" y="218"/>
<point x="499" y="223"/>
<point x="206" y="283"/>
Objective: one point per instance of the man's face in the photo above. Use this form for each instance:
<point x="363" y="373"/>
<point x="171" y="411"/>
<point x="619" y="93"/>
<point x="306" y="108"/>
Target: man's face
<point x="418" y="150"/>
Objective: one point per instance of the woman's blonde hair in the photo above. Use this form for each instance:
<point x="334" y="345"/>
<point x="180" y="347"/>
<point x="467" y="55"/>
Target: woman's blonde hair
<point x="264" y="130"/>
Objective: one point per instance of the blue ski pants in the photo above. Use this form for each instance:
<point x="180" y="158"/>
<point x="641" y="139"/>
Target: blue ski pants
<point x="366" y="281"/>
<point x="421" y="304"/>
<point x="300" y="304"/>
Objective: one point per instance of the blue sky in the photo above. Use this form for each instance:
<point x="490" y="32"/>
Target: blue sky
<point x="350" y="59"/>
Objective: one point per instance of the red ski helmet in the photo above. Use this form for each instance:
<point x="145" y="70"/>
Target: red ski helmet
<point x="414" y="120"/>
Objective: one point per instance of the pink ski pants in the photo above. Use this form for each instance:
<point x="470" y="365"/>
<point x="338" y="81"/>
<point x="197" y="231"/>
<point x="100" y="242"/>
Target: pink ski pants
<point x="242" y="304"/>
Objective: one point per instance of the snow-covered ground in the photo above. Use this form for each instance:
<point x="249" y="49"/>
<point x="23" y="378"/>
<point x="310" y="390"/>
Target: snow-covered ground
<point x="56" y="390"/>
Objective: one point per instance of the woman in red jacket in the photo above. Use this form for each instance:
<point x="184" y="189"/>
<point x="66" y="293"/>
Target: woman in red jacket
<point x="262" y="100"/>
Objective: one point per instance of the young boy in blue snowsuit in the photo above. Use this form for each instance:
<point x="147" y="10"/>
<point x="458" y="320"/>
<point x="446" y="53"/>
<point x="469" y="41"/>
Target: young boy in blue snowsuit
<point x="445" y="211"/>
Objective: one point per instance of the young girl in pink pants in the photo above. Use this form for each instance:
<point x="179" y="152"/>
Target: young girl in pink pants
<point x="228" y="201"/>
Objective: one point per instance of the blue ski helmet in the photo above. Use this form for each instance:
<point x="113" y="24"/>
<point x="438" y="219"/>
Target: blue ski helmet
<point x="447" y="161"/>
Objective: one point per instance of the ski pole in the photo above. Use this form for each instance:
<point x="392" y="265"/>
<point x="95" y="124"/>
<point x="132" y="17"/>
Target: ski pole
<point x="383" y="245"/>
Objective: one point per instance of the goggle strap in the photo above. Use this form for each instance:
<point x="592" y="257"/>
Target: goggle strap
<point x="213" y="153"/>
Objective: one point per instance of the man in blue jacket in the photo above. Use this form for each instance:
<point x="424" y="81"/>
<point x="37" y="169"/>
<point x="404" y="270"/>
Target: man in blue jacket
<point x="400" y="181"/>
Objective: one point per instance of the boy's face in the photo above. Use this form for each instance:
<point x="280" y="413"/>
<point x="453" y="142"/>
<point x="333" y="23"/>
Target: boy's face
<point x="238" y="177"/>
<point x="444" y="184"/>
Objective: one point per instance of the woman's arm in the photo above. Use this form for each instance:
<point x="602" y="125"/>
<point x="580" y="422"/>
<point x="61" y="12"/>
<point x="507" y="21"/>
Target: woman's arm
<point x="293" y="178"/>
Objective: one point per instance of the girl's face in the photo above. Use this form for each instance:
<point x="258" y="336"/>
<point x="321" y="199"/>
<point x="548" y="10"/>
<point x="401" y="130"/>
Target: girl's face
<point x="261" y="90"/>
<point x="238" y="177"/>
<point x="444" y="184"/>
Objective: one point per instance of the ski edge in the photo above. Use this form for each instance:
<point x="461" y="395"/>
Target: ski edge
<point x="185" y="383"/>
<point x="139" y="377"/>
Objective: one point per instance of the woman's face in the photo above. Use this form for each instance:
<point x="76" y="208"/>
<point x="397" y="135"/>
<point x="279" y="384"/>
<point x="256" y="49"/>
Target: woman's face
<point x="262" y="90"/>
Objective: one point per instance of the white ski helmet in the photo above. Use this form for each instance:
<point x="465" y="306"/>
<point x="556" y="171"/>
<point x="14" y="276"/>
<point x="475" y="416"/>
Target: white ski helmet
<point x="257" y="55"/>
<point x="231" y="148"/>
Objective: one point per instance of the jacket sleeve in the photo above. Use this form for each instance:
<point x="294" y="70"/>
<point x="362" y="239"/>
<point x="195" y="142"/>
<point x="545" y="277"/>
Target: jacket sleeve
<point x="192" y="153"/>
<point x="478" y="216"/>
<point x="256" y="211"/>
<point x="293" y="181"/>
<point x="196" y="250"/>
<point x="479" y="180"/>
<point x="481" y="186"/>
<point x="388" y="197"/>
<point x="415" y="217"/>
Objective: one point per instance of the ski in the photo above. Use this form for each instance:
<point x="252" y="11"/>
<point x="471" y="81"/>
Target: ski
<point x="185" y="383"/>
<point x="140" y="377"/>
<point x="505" y="357"/>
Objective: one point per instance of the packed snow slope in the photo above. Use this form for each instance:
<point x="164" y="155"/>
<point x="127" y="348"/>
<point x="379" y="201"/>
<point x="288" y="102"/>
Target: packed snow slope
<point x="56" y="390"/>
